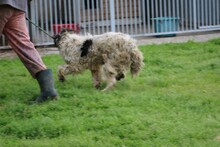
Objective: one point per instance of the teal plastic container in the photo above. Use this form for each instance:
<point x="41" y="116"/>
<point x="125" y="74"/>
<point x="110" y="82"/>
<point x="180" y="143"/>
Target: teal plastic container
<point x="166" y="24"/>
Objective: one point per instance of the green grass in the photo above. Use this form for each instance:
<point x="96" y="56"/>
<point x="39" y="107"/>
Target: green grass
<point x="175" y="101"/>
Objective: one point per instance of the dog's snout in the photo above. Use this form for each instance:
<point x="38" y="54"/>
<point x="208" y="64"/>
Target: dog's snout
<point x="56" y="39"/>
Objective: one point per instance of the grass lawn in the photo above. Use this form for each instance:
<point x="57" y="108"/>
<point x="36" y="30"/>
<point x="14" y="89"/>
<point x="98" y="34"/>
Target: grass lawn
<point x="175" y="101"/>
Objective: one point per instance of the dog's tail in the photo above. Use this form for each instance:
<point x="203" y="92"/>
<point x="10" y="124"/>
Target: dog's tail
<point x="136" y="61"/>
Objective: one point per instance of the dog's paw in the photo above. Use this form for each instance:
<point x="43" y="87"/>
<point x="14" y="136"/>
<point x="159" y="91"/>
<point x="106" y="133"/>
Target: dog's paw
<point x="105" y="89"/>
<point x="61" y="78"/>
<point x="120" y="76"/>
<point x="98" y="86"/>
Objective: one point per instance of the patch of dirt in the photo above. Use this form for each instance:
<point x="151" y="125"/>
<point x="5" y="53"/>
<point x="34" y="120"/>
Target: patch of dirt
<point x="217" y="138"/>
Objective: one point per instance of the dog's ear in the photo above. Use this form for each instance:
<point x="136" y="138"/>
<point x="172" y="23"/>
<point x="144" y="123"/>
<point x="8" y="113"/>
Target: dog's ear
<point x="57" y="37"/>
<point x="64" y="30"/>
<point x="85" y="47"/>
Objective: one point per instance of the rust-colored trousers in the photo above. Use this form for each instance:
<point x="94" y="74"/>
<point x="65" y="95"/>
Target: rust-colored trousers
<point x="13" y="26"/>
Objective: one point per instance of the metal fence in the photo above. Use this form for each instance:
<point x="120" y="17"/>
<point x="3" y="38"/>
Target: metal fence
<point x="134" y="17"/>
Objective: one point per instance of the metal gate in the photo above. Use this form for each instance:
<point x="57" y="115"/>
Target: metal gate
<point x="134" y="17"/>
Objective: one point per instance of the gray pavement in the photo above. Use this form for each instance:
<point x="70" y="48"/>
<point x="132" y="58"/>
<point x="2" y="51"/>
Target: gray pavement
<point x="197" y="37"/>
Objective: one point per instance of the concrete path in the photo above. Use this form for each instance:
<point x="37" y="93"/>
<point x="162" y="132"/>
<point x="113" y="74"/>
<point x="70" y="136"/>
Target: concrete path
<point x="199" y="37"/>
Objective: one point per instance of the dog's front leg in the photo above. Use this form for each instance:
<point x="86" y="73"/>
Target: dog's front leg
<point x="63" y="70"/>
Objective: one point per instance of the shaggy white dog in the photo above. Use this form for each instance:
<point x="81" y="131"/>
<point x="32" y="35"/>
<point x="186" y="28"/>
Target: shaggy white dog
<point x="107" y="56"/>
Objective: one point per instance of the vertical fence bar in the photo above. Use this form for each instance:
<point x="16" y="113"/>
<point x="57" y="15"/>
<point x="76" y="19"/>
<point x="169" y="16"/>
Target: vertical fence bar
<point x="3" y="40"/>
<point x="186" y="15"/>
<point x="74" y="11"/>
<point x="173" y="8"/>
<point x="122" y="15"/>
<point x="102" y="15"/>
<point x="56" y="15"/>
<point x="135" y="17"/>
<point x="37" y="22"/>
<point x="46" y="19"/>
<point x="206" y="14"/>
<point x="51" y="16"/>
<point x="112" y="15"/>
<point x="79" y="18"/>
<point x="214" y="12"/>
<point x="88" y="16"/>
<point x="78" y="13"/>
<point x="181" y="15"/>
<point x="160" y="5"/>
<point x="198" y="3"/>
<point x="152" y="13"/>
<point x="156" y="11"/>
<point x="60" y="12"/>
<point x="131" y="17"/>
<point x="69" y="14"/>
<point x="84" y="15"/>
<point x="144" y="17"/>
<point x="126" y="15"/>
<point x="93" y="26"/>
<point x="41" y="22"/>
<point x="169" y="27"/>
<point x="141" y="16"/>
<point x="156" y="8"/>
<point x="209" y="13"/>
<point x="117" y="13"/>
<point x="165" y="8"/>
<point x="166" y="12"/>
<point x="174" y="15"/>
<point x="169" y="8"/>
<point x="97" y="16"/>
<point x="177" y="9"/>
<point x="217" y="16"/>
<point x="148" y="16"/>
<point x="65" y="11"/>
<point x="191" y="14"/>
<point x="33" y="29"/>
<point x="202" y="12"/>
<point x="194" y="13"/>
<point x="107" y="15"/>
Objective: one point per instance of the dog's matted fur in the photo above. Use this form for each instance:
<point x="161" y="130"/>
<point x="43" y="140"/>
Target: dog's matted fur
<point x="108" y="56"/>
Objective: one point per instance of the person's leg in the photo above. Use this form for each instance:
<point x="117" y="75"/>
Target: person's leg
<point x="17" y="35"/>
<point x="18" y="38"/>
<point x="5" y="14"/>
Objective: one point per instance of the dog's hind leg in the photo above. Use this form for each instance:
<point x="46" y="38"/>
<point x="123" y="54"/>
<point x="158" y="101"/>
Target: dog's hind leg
<point x="111" y="81"/>
<point x="96" y="77"/>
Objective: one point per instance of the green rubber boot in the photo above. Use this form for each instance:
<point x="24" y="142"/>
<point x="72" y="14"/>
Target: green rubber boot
<point x="46" y="83"/>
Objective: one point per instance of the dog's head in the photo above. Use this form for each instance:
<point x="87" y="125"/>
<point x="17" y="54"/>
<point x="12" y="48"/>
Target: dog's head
<point x="58" y="36"/>
<point x="56" y="39"/>
<point x="66" y="36"/>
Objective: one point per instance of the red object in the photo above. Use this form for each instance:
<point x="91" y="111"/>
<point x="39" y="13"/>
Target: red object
<point x="59" y="27"/>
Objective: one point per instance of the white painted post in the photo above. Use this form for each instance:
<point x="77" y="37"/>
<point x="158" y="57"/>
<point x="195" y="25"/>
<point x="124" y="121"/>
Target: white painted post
<point x="194" y="15"/>
<point x="112" y="15"/>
